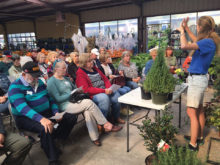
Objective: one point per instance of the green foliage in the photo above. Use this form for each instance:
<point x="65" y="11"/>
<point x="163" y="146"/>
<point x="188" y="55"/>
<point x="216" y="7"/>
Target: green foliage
<point x="116" y="62"/>
<point x="212" y="113"/>
<point x="153" y="40"/>
<point x="214" y="71"/>
<point x="140" y="60"/>
<point x="177" y="155"/>
<point x="159" y="79"/>
<point x="177" y="52"/>
<point x="154" y="131"/>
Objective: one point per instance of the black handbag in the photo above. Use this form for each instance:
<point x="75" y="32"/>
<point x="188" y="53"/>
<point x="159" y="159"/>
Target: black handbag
<point x="2" y="92"/>
<point x="77" y="97"/>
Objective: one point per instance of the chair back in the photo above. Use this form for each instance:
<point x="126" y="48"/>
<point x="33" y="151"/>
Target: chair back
<point x="31" y="135"/>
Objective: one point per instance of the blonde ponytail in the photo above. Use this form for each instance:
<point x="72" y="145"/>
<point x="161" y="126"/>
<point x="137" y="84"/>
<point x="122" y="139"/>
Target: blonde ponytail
<point x="216" y="39"/>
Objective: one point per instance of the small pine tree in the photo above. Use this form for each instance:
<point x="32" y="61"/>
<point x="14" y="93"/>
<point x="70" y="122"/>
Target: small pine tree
<point x="159" y="80"/>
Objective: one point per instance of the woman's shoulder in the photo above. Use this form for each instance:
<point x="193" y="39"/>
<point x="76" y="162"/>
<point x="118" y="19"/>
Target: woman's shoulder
<point x="206" y="43"/>
<point x="207" y="40"/>
<point x="51" y="79"/>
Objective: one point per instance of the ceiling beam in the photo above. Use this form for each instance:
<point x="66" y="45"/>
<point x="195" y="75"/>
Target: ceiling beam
<point x="15" y="15"/>
<point x="102" y="5"/>
<point x="14" y="5"/>
<point x="25" y="10"/>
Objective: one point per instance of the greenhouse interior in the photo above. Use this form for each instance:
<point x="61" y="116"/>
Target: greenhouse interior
<point x="109" y="82"/>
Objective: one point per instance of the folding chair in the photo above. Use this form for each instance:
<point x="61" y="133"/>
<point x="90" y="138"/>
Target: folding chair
<point x="31" y="135"/>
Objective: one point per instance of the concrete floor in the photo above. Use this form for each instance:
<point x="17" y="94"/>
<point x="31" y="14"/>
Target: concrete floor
<point x="79" y="150"/>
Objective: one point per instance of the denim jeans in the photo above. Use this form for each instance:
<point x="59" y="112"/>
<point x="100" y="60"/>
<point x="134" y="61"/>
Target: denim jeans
<point x="4" y="107"/>
<point x="132" y="84"/>
<point x="124" y="89"/>
<point x="103" y="101"/>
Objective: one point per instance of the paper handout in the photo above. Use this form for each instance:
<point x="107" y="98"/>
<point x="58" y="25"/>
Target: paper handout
<point x="77" y="90"/>
<point x="58" y="116"/>
<point x="115" y="87"/>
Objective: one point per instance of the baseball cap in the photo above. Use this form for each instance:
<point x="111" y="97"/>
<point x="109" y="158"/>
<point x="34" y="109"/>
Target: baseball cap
<point x="32" y="68"/>
<point x="95" y="51"/>
<point x="25" y="59"/>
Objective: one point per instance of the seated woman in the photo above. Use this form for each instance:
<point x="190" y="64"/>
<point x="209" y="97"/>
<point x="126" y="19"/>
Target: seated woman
<point x="60" y="87"/>
<point x="4" y="85"/>
<point x="129" y="70"/>
<point x="170" y="59"/>
<point x="153" y="54"/>
<point x="108" y="69"/>
<point x="51" y="57"/>
<point x="41" y="59"/>
<point x="97" y="85"/>
<point x="73" y="66"/>
<point x="15" y="70"/>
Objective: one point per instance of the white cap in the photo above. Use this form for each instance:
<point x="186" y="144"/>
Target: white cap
<point x="25" y="59"/>
<point x="95" y="51"/>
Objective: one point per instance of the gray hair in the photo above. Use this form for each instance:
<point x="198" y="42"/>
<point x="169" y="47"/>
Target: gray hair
<point x="124" y="53"/>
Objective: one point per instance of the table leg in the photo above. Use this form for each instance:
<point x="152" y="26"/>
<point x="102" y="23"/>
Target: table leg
<point x="180" y="106"/>
<point x="127" y="128"/>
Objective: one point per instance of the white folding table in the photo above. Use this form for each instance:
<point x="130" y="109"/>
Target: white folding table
<point x="133" y="98"/>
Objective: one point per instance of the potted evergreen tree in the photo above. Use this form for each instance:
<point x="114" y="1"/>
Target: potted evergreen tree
<point x="154" y="131"/>
<point x="159" y="81"/>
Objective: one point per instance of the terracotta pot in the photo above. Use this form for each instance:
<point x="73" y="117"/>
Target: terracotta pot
<point x="145" y="95"/>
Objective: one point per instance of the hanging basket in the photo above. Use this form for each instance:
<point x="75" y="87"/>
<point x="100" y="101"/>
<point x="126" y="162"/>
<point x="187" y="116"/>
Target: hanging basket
<point x="159" y="98"/>
<point x="145" y="95"/>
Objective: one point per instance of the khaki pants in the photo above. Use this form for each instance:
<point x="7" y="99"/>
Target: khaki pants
<point x="18" y="146"/>
<point x="92" y="115"/>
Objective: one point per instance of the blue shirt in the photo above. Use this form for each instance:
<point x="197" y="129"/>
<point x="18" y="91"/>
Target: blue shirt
<point x="148" y="66"/>
<point x="25" y="101"/>
<point x="203" y="56"/>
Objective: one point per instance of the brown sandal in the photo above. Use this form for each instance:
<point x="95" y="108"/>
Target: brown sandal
<point x="120" y="121"/>
<point x="97" y="143"/>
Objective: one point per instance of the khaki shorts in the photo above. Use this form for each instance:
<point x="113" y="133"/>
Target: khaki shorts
<point x="196" y="89"/>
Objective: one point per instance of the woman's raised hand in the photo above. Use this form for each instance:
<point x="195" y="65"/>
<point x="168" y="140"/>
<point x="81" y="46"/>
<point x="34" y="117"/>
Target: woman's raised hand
<point x="185" y="22"/>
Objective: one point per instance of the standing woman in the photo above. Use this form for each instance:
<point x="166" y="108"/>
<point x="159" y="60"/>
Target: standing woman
<point x="205" y="47"/>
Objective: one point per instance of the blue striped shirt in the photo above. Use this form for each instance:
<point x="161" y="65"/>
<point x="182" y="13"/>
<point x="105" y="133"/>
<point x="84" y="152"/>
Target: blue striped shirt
<point x="25" y="101"/>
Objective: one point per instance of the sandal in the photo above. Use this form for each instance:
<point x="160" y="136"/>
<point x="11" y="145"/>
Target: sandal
<point x="97" y="143"/>
<point x="120" y="121"/>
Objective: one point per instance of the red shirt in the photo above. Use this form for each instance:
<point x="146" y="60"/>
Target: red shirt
<point x="82" y="79"/>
